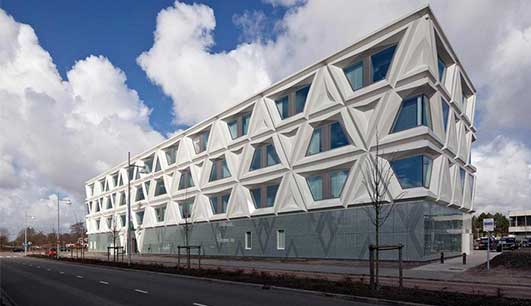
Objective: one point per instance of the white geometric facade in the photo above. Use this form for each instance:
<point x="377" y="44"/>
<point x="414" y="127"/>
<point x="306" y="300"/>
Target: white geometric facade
<point x="351" y="94"/>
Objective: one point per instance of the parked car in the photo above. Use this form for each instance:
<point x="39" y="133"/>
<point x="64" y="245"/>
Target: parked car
<point x="18" y="250"/>
<point x="481" y="243"/>
<point x="52" y="252"/>
<point x="507" y="243"/>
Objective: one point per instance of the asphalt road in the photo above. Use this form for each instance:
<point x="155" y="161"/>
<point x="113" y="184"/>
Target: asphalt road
<point x="31" y="281"/>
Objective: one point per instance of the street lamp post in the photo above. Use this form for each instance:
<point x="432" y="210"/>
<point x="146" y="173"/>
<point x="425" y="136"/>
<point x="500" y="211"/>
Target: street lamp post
<point x="26" y="232"/>
<point x="68" y="202"/>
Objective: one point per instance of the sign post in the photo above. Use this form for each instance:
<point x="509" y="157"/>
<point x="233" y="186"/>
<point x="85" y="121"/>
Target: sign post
<point x="488" y="226"/>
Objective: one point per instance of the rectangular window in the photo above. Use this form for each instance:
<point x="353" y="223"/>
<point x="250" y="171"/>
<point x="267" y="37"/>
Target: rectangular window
<point x="186" y="180"/>
<point x="354" y="74"/>
<point x="201" y="141"/>
<point x="114" y="179"/>
<point x="413" y="112"/>
<point x="219" y="203"/>
<point x="220" y="170"/>
<point x="160" y="213"/>
<point x="248" y="240"/>
<point x="327" y="137"/>
<point x="185" y="208"/>
<point x="442" y="68"/>
<point x="327" y="185"/>
<point x="264" y="196"/>
<point x="160" y="189"/>
<point x="462" y="174"/>
<point x="293" y="102"/>
<point x="414" y="171"/>
<point x="265" y="155"/>
<point x="381" y="62"/>
<point x="148" y="163"/>
<point x="446" y="113"/>
<point x="171" y="153"/>
<point x="283" y="107"/>
<point x="140" y="217"/>
<point x="239" y="125"/>
<point x="97" y="224"/>
<point x="281" y="240"/>
<point x="123" y="198"/>
<point x="122" y="220"/>
<point x="139" y="193"/>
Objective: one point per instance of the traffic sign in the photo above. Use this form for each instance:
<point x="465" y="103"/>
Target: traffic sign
<point x="488" y="225"/>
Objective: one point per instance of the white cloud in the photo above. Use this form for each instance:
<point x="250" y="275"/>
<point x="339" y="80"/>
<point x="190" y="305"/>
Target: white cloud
<point x="500" y="32"/>
<point x="55" y="133"/>
<point x="200" y="83"/>
<point x="504" y="178"/>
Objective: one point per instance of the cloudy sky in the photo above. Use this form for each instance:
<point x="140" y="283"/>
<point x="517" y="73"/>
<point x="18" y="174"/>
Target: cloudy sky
<point x="80" y="84"/>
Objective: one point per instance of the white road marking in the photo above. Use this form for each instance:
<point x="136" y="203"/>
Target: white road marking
<point x="104" y="282"/>
<point x="79" y="276"/>
<point x="141" y="291"/>
<point x="198" y="304"/>
<point x="61" y="272"/>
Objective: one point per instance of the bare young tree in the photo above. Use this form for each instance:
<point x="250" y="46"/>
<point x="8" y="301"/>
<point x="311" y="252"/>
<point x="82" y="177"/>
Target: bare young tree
<point x="115" y="232"/>
<point x="377" y="174"/>
<point x="4" y="237"/>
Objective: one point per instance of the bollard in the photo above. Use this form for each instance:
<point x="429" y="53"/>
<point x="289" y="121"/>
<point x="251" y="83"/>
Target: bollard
<point x="464" y="258"/>
<point x="442" y="257"/>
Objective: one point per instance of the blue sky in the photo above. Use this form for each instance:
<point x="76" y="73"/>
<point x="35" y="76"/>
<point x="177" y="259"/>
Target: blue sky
<point x="121" y="30"/>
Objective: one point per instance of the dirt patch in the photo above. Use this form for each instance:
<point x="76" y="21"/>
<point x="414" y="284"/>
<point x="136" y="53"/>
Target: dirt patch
<point x="519" y="260"/>
<point x="345" y="286"/>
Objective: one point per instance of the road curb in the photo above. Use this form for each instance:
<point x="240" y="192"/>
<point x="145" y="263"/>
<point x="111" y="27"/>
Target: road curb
<point x="347" y="297"/>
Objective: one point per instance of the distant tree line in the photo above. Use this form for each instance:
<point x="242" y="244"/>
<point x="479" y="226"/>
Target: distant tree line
<point x="501" y="224"/>
<point x="40" y="238"/>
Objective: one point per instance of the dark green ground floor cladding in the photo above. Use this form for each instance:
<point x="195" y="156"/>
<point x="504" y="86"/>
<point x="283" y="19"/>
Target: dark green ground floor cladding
<point x="423" y="227"/>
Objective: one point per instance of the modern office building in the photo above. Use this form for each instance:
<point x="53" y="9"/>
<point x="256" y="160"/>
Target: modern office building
<point x="520" y="224"/>
<point x="282" y="173"/>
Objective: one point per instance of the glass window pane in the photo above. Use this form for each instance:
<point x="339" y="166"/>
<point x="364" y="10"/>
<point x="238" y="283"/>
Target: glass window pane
<point x="257" y="197"/>
<point x="471" y="185"/>
<point x="205" y="136"/>
<point x="426" y="111"/>
<point x="272" y="157"/>
<point x="122" y="220"/>
<point x="354" y="74"/>
<point x="257" y="159"/>
<point x="186" y="208"/>
<point x="160" y="189"/>
<point x="224" y="202"/>
<point x="233" y="128"/>
<point x="446" y="112"/>
<point x="315" y="142"/>
<point x="462" y="174"/>
<point x="271" y="195"/>
<point x="381" y="62"/>
<point x="281" y="240"/>
<point x="409" y="171"/>
<point x="300" y="98"/>
<point x="224" y="169"/>
<point x="407" y="116"/>
<point x="337" y="136"/>
<point x="245" y="123"/>
<point x="214" y="171"/>
<point x="315" y="183"/>
<point x="337" y="181"/>
<point x="426" y="171"/>
<point x="282" y="106"/>
<point x="441" y="67"/>
<point x="214" y="204"/>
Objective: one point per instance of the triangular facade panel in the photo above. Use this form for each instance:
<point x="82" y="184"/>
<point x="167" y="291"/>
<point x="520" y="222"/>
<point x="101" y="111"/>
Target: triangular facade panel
<point x="323" y="93"/>
<point x="289" y="198"/>
<point x="261" y="121"/>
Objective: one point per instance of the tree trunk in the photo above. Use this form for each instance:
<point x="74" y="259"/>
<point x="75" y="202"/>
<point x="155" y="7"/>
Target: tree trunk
<point x="377" y="261"/>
